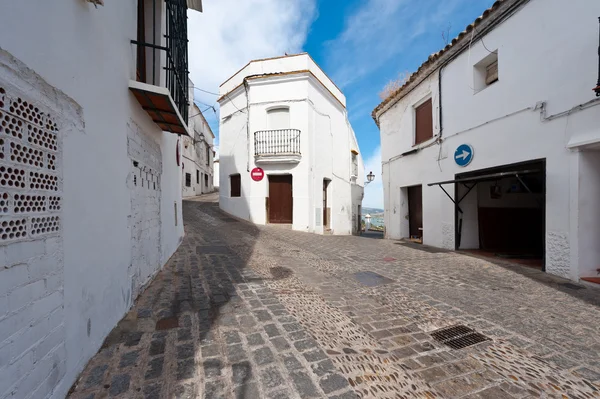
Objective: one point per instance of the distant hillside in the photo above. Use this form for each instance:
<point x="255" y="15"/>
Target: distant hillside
<point x="371" y="210"/>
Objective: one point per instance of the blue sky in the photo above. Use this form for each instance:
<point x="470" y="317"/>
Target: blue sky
<point x="360" y="44"/>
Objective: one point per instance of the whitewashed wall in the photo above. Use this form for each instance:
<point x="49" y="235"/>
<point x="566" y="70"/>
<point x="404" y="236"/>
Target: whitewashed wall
<point x="500" y="123"/>
<point x="326" y="143"/>
<point x="69" y="46"/>
<point x="194" y="158"/>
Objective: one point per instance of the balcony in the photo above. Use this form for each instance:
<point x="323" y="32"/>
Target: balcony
<point x="161" y="85"/>
<point x="277" y="146"/>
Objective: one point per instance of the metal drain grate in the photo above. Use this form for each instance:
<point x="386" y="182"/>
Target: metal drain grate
<point x="458" y="337"/>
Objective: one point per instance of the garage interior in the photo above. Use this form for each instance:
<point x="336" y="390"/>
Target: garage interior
<point x="500" y="212"/>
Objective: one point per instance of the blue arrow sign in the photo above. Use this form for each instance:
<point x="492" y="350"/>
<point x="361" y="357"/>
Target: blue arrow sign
<point x="463" y="155"/>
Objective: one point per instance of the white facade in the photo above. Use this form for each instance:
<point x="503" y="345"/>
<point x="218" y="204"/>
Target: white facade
<point x="541" y="108"/>
<point x="216" y="166"/>
<point x="197" y="156"/>
<point x="291" y="95"/>
<point x="101" y="200"/>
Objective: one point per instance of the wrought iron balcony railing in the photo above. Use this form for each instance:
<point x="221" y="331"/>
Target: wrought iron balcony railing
<point x="171" y="55"/>
<point x="277" y="142"/>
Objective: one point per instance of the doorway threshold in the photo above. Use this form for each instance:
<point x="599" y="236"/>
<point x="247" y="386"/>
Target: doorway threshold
<point x="534" y="262"/>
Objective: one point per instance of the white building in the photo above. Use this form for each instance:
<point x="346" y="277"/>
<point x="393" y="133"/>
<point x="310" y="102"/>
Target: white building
<point x="515" y="105"/>
<point x="286" y="117"/>
<point x="216" y="165"/>
<point x="197" y="155"/>
<point x="90" y="187"/>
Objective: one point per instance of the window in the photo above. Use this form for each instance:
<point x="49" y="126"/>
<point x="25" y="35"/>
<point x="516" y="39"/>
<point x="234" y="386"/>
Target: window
<point x="278" y="118"/>
<point x="205" y="180"/>
<point x="423" y="122"/>
<point x="354" y="164"/>
<point x="236" y="185"/>
<point x="188" y="179"/>
<point x="485" y="72"/>
<point x="207" y="155"/>
<point x="197" y="177"/>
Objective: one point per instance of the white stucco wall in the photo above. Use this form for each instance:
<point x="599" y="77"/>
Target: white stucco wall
<point x="194" y="156"/>
<point x="500" y="123"/>
<point x="326" y="143"/>
<point x="216" y="171"/>
<point x="69" y="46"/>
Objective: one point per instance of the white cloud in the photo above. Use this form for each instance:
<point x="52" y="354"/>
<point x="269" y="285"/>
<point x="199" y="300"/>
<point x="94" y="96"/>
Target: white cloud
<point x="229" y="33"/>
<point x="374" y="191"/>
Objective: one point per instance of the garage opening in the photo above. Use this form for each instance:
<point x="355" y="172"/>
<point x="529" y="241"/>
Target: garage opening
<point x="415" y="213"/>
<point x="500" y="212"/>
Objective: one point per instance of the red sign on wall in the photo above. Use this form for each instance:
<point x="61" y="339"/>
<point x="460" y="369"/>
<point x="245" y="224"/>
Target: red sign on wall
<point x="257" y="174"/>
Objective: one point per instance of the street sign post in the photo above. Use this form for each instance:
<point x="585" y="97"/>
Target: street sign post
<point x="463" y="155"/>
<point x="257" y="174"/>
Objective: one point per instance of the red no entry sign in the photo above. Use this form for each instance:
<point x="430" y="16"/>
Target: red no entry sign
<point x="257" y="174"/>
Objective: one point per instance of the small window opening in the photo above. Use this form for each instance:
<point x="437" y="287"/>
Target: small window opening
<point x="236" y="185"/>
<point x="485" y="72"/>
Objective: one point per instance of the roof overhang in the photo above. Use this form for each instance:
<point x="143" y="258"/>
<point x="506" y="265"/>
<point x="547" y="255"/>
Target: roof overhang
<point x="159" y="105"/>
<point x="195" y="5"/>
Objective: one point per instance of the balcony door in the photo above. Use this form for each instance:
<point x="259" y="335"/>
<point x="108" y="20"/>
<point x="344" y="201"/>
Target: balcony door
<point x="280" y="199"/>
<point x="278" y="118"/>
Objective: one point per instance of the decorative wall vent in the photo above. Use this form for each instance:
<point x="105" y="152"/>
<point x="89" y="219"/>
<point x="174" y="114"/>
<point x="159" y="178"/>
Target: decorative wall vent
<point x="30" y="185"/>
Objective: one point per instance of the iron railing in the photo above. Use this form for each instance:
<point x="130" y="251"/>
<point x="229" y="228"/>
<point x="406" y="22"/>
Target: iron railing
<point x="277" y="142"/>
<point x="175" y="49"/>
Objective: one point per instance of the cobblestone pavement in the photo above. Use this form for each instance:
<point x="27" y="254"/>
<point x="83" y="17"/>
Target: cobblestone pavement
<point x="248" y="312"/>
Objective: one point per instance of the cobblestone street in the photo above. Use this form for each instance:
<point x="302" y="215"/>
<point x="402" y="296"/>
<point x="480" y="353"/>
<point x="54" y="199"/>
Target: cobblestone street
<point x="266" y="312"/>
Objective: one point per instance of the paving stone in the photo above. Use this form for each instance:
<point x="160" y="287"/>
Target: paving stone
<point x="345" y="395"/>
<point x="214" y="390"/>
<point x="333" y="382"/>
<point x="188" y="390"/>
<point x="210" y="350"/>
<point x="271" y="330"/>
<point x="152" y="391"/>
<point x="280" y="343"/>
<point x="155" y="368"/>
<point x="292" y="363"/>
<point x="315" y="355"/>
<point x="184" y="334"/>
<point x="247" y="391"/>
<point x="185" y="369"/>
<point x="291" y="327"/>
<point x="298" y="335"/>
<point x="262" y="315"/>
<point x="241" y="373"/>
<point x="212" y="368"/>
<point x="133" y="338"/>
<point x="129" y="359"/>
<point x="305" y="345"/>
<point x="255" y="339"/>
<point x="119" y="384"/>
<point x="587" y="374"/>
<point x="263" y="355"/>
<point x="304" y="384"/>
<point x="271" y="378"/>
<point x="157" y="347"/>
<point x="185" y="351"/>
<point x="236" y="353"/>
<point x="96" y="376"/>
<point x="232" y="337"/>
<point x="323" y="367"/>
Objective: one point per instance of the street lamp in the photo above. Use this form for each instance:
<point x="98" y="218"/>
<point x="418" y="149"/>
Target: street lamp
<point x="370" y="178"/>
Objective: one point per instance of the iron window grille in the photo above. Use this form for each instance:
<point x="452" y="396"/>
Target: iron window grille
<point x="175" y="50"/>
<point x="597" y="89"/>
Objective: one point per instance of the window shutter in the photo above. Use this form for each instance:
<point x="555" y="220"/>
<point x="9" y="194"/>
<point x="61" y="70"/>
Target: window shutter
<point x="491" y="74"/>
<point x="424" y="122"/>
<point x="278" y="119"/>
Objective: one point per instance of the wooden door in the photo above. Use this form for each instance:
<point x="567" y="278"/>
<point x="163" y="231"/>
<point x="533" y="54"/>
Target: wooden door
<point x="415" y="211"/>
<point x="280" y="199"/>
